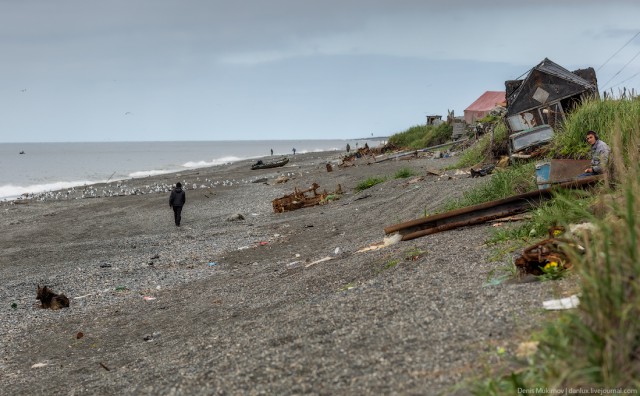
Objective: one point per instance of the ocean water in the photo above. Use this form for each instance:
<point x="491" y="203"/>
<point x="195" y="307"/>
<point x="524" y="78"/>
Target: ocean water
<point x="54" y="166"/>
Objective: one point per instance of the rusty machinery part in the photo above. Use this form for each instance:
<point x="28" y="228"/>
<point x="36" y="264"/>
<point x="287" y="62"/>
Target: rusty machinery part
<point x="302" y="199"/>
<point x="535" y="257"/>
<point x="481" y="213"/>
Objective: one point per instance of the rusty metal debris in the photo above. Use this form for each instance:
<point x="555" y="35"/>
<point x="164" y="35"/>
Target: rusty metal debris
<point x="304" y="198"/>
<point x="363" y="152"/>
<point x="534" y="258"/>
<point x="481" y="213"/>
<point x="485" y="170"/>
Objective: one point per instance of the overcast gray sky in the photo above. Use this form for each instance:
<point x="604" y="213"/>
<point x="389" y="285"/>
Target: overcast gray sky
<point x="85" y="70"/>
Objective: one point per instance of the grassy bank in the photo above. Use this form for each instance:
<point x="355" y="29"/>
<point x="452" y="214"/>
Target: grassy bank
<point x="596" y="345"/>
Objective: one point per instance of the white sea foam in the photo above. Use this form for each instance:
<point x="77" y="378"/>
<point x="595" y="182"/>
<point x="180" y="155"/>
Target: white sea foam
<point x="10" y="191"/>
<point x="151" y="173"/>
<point x="214" y="162"/>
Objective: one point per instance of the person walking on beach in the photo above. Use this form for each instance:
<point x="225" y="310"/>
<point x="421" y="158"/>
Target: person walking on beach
<point x="176" y="201"/>
<point x="348" y="148"/>
<point x="272" y="152"/>
<point x="599" y="155"/>
<point x="294" y="151"/>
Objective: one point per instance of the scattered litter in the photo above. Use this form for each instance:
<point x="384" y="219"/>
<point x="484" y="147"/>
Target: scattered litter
<point x="297" y="254"/>
<point x="38" y="365"/>
<point x="212" y="264"/>
<point x="534" y="258"/>
<point x="485" y="170"/>
<point x="243" y="247"/>
<point x="337" y="251"/>
<point x="263" y="243"/>
<point x="318" y="261"/>
<point x="149" y="298"/>
<point x="563" y="303"/>
<point x="235" y="217"/>
<point x="150" y="337"/>
<point x="293" y="264"/>
<point x="389" y="240"/>
<point x="86" y="295"/>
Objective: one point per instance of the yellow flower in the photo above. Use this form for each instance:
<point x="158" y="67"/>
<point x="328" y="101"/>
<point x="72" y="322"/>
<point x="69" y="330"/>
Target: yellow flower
<point x="557" y="232"/>
<point x="551" y="265"/>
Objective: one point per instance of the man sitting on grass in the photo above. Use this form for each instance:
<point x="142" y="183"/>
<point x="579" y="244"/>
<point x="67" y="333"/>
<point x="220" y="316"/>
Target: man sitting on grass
<point x="599" y="155"/>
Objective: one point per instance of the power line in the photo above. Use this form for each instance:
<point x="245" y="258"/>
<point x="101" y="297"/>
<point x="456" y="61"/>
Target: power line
<point x="623" y="67"/>
<point x="624" y="81"/>
<point x="621" y="48"/>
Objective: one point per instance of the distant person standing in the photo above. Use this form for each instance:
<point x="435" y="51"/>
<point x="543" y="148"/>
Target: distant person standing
<point x="294" y="151"/>
<point x="176" y="201"/>
<point x="348" y="148"/>
<point x="272" y="152"/>
<point x="599" y="155"/>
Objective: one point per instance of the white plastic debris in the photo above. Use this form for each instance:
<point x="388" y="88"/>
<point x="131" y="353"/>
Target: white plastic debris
<point x="337" y="251"/>
<point x="318" y="261"/>
<point x="38" y="365"/>
<point x="293" y="264"/>
<point x="563" y="303"/>
<point x="392" y="240"/>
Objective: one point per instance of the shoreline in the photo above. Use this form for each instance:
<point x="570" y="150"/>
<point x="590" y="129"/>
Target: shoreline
<point x="83" y="185"/>
<point x="277" y="303"/>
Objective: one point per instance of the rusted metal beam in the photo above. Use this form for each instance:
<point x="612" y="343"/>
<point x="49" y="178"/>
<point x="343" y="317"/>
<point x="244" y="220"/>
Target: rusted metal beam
<point x="481" y="213"/>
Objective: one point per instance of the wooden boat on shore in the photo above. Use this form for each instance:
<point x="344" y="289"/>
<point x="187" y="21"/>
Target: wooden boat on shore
<point x="273" y="164"/>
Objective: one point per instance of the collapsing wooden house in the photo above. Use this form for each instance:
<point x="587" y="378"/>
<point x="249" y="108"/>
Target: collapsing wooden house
<point x="547" y="93"/>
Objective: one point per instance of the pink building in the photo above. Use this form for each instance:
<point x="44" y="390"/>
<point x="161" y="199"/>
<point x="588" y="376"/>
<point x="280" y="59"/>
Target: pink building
<point x="483" y="105"/>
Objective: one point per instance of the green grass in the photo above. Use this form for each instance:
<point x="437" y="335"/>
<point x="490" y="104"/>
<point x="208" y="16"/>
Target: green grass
<point x="391" y="264"/>
<point x="596" y="345"/>
<point x="503" y="183"/>
<point x="404" y="173"/>
<point x="368" y="183"/>
<point x="483" y="150"/>
<point x="421" y="136"/>
<point x="600" y="116"/>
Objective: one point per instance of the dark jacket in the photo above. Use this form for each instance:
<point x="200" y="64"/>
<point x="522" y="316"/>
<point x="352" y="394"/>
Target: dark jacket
<point x="178" y="197"/>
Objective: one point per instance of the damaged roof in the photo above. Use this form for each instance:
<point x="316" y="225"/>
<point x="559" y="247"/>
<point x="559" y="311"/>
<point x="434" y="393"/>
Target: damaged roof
<point x="547" y="82"/>
<point x="487" y="101"/>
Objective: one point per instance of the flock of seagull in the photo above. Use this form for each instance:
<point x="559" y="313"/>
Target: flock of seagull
<point x="121" y="188"/>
